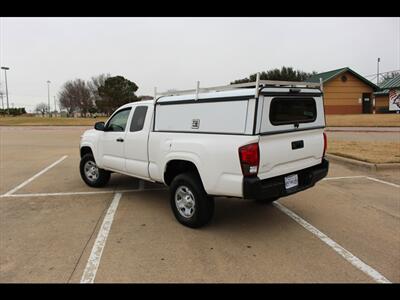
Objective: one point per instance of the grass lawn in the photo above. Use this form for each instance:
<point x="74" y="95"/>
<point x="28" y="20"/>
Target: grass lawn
<point x="39" y="121"/>
<point x="372" y="152"/>
<point x="377" y="120"/>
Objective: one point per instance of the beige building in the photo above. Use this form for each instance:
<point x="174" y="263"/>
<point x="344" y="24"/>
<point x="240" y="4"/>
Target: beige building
<point x="346" y="92"/>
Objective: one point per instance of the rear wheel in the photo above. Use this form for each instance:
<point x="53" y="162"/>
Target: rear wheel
<point x="91" y="174"/>
<point x="190" y="203"/>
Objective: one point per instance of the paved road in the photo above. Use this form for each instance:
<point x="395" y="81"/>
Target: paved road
<point x="49" y="238"/>
<point x="370" y="134"/>
<point x="364" y="129"/>
<point x="364" y="136"/>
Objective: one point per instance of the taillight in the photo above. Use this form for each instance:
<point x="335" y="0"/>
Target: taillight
<point x="325" y="144"/>
<point x="249" y="159"/>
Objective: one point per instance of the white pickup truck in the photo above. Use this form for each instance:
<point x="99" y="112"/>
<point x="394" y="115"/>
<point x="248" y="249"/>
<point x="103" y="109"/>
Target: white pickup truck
<point x="261" y="140"/>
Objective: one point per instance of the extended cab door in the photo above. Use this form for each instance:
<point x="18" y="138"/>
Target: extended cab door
<point x="291" y="127"/>
<point x="111" y="142"/>
<point x="136" y="154"/>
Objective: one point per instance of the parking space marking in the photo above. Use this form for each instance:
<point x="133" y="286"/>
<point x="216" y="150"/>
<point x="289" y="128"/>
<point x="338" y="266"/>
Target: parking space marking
<point x="367" y="177"/>
<point x="79" y="193"/>
<point x="342" y="177"/>
<point x="34" y="176"/>
<point x="94" y="260"/>
<point x="355" y="261"/>
<point x="382" y="181"/>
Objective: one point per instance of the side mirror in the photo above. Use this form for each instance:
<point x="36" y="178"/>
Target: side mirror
<point x="99" y="126"/>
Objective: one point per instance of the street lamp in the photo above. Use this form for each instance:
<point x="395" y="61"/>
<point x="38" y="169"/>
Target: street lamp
<point x="5" y="75"/>
<point x="48" y="95"/>
<point x="377" y="73"/>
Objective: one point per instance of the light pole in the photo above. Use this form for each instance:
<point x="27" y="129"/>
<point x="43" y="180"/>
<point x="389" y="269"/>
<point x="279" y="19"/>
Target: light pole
<point x="377" y="73"/>
<point x="55" y="107"/>
<point x="48" y="95"/>
<point x="5" y="75"/>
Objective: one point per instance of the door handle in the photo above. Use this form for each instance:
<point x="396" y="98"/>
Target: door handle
<point x="120" y="140"/>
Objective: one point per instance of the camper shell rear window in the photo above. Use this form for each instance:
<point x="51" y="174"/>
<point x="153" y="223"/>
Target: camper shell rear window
<point x="293" y="110"/>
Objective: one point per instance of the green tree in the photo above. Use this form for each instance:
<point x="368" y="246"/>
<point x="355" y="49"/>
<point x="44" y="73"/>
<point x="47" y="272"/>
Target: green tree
<point x="285" y="74"/>
<point x="115" y="91"/>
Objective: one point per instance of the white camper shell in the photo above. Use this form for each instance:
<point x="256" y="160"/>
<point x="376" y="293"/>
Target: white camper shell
<point x="244" y="112"/>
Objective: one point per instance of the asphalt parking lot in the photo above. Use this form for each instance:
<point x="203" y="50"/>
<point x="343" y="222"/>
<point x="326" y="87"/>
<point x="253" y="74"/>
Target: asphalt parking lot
<point x="54" y="228"/>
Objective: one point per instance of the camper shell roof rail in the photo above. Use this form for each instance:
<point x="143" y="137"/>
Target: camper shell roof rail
<point x="255" y="84"/>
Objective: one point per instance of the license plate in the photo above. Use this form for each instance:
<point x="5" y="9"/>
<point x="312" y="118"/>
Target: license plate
<point x="291" y="181"/>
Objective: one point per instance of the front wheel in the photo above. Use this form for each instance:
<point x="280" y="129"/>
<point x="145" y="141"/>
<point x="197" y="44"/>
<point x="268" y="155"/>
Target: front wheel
<point x="91" y="174"/>
<point x="190" y="203"/>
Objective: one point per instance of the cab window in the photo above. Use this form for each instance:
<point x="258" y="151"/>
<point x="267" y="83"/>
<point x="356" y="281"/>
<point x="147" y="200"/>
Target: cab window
<point x="119" y="120"/>
<point x="138" y="118"/>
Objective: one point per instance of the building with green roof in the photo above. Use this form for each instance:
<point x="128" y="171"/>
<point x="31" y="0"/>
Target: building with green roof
<point x="346" y="91"/>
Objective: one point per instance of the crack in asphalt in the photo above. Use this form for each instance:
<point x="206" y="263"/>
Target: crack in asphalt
<point x="90" y="237"/>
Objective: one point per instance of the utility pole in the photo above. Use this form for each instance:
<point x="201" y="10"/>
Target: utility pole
<point x="5" y="75"/>
<point x="55" y="107"/>
<point x="48" y="95"/>
<point x="377" y="73"/>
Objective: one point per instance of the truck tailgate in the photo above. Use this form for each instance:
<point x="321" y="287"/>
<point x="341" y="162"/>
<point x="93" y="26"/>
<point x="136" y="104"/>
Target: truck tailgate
<point x="288" y="152"/>
<point x="291" y="130"/>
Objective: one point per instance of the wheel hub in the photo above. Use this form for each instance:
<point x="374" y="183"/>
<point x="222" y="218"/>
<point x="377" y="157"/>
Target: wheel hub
<point x="185" y="201"/>
<point x="91" y="171"/>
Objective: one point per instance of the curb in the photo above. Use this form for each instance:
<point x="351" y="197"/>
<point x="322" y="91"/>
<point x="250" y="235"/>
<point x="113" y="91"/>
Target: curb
<point x="349" y="162"/>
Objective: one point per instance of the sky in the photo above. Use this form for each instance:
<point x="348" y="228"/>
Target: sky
<point x="174" y="53"/>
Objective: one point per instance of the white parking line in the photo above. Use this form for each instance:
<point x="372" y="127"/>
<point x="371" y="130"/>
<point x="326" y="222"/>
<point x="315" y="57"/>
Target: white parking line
<point x="342" y="177"/>
<point x="78" y="193"/>
<point x="34" y="176"/>
<point x="355" y="261"/>
<point x="384" y="182"/>
<point x="94" y="260"/>
<point x="367" y="177"/>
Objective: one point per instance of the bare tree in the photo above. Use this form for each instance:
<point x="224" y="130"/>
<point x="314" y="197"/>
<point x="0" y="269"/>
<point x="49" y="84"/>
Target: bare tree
<point x="95" y="82"/>
<point x="41" y="108"/>
<point x="75" y="95"/>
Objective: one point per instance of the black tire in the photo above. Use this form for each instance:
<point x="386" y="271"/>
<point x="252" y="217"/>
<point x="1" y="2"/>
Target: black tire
<point x="266" y="200"/>
<point x="103" y="175"/>
<point x="203" y="204"/>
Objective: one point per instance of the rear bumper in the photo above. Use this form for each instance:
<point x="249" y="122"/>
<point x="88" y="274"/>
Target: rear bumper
<point x="254" y="188"/>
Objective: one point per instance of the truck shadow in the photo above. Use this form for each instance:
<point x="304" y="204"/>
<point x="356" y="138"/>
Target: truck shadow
<point x="123" y="182"/>
<point x="236" y="213"/>
<point x="230" y="213"/>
